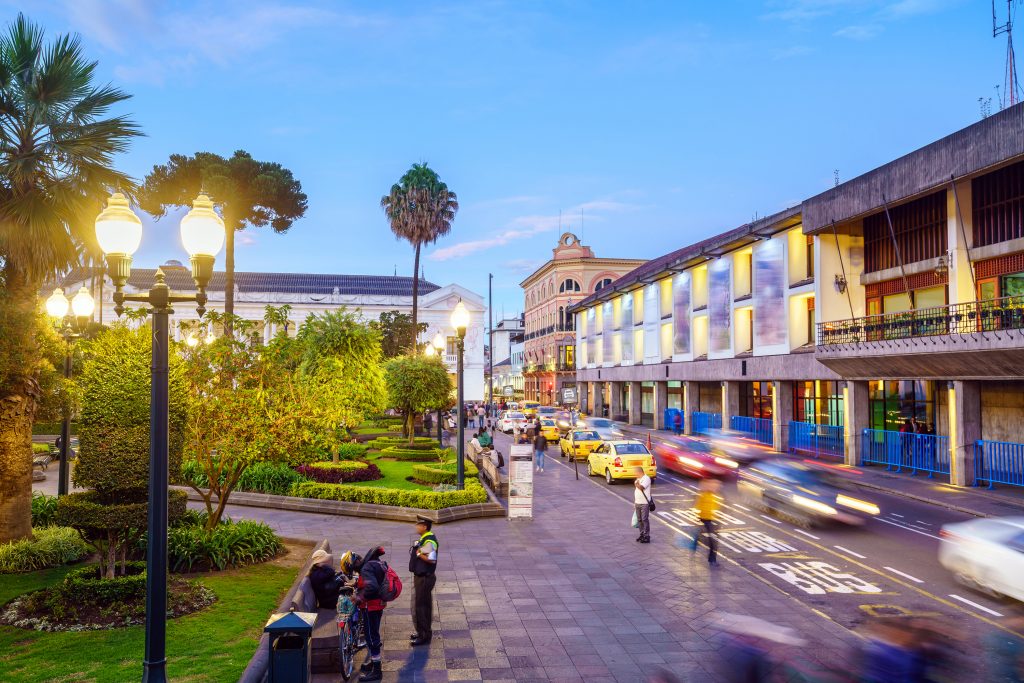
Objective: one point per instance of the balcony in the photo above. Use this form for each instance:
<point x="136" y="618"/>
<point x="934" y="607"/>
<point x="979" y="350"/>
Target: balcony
<point x="940" y="342"/>
<point x="550" y="329"/>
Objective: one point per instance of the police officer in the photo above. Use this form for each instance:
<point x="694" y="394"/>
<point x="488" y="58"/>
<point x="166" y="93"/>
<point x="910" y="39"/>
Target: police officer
<point x="422" y="564"/>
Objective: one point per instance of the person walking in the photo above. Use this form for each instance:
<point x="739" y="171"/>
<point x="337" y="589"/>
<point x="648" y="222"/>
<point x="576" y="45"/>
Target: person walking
<point x="642" y="504"/>
<point x="423" y="564"/>
<point x="677" y="423"/>
<point x="540" y="447"/>
<point x="481" y="414"/>
<point x="707" y="504"/>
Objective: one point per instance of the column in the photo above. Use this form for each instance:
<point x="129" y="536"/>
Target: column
<point x="581" y="395"/>
<point x="730" y="402"/>
<point x="597" y="403"/>
<point x="782" y="414"/>
<point x="691" y="401"/>
<point x="961" y="283"/>
<point x="856" y="419"/>
<point x="660" y="404"/>
<point x="615" y="409"/>
<point x="964" y="401"/>
<point x="635" y="396"/>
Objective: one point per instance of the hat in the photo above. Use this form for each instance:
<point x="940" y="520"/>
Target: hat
<point x="424" y="521"/>
<point x="321" y="556"/>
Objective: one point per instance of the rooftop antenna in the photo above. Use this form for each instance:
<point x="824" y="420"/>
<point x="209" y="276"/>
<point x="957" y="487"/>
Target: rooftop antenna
<point x="581" y="224"/>
<point x="396" y="270"/>
<point x="1011" y="86"/>
<point x="835" y="176"/>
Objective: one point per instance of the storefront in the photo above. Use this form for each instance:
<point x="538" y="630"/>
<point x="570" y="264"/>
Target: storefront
<point x="756" y="399"/>
<point x="893" y="402"/>
<point x="818" y="402"/>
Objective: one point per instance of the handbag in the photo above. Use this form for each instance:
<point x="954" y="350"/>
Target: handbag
<point x="636" y="520"/>
<point x="650" y="501"/>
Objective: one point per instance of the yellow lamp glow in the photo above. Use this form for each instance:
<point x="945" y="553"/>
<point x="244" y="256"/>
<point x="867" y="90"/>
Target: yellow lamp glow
<point x="460" y="318"/>
<point x="83" y="304"/>
<point x="438" y="342"/>
<point x="118" y="229"/>
<point x="430" y="351"/>
<point x="57" y="305"/>
<point x="211" y="337"/>
<point x="202" y="230"/>
<point x="192" y="341"/>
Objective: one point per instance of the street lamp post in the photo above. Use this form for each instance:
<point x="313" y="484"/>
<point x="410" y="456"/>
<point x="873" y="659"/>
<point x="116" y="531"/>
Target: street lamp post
<point x="438" y="347"/>
<point x="460" y="321"/>
<point x="119" y="232"/>
<point x="73" y="317"/>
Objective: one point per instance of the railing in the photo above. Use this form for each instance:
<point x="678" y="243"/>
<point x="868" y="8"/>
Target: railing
<point x="817" y="440"/>
<point x="905" y="450"/>
<point x="759" y="428"/>
<point x="998" y="462"/>
<point x="967" y="318"/>
<point x="702" y="422"/>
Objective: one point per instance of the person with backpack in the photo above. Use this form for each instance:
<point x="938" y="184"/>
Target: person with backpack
<point x="376" y="586"/>
<point x="423" y="564"/>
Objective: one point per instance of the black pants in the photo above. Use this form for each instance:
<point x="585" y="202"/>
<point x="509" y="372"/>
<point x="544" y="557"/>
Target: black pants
<point x="708" y="528"/>
<point x="423" y="604"/>
<point x="373" y="639"/>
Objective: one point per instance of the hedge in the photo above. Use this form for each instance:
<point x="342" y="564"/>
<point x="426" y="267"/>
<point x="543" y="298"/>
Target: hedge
<point x="401" y="453"/>
<point x="49" y="547"/>
<point x="52" y="428"/>
<point x="343" y="472"/>
<point x="38" y="448"/>
<point x="88" y="511"/>
<point x="85" y="585"/>
<point x="382" y="442"/>
<point x="428" y="500"/>
<point x="259" y="477"/>
<point x="352" y="451"/>
<point x="441" y="474"/>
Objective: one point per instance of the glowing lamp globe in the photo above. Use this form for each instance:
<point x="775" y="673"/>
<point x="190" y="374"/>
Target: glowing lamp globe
<point x="57" y="305"/>
<point x="430" y="351"/>
<point x="202" y="230"/>
<point x="83" y="304"/>
<point x="192" y="341"/>
<point x="118" y="229"/>
<point x="438" y="342"/>
<point x="460" y="318"/>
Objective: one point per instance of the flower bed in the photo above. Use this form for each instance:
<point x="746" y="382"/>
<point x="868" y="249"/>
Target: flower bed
<point x="442" y="473"/>
<point x="343" y="472"/>
<point x="260" y="477"/>
<point x="429" y="500"/>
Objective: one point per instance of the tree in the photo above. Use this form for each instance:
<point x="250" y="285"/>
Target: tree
<point x="395" y="328"/>
<point x="248" y="193"/>
<point x="420" y="209"/>
<point x="416" y="384"/>
<point x="57" y="145"/>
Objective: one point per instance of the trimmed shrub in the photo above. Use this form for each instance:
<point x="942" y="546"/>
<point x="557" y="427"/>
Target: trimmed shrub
<point x="230" y="544"/>
<point x="415" y="455"/>
<point x="429" y="500"/>
<point x="260" y="477"/>
<point x="38" y="448"/>
<point x="352" y="451"/>
<point x="87" y="511"/>
<point x="441" y="474"/>
<point x="44" y="508"/>
<point x="49" y="547"/>
<point x="86" y="585"/>
<point x="343" y="472"/>
<point x="52" y="428"/>
<point x="382" y="442"/>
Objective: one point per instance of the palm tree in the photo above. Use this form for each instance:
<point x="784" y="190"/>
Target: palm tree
<point x="420" y="209"/>
<point x="57" y="145"/>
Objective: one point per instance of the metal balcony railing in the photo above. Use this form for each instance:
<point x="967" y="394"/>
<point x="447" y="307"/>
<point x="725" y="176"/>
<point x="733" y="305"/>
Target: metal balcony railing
<point x="990" y="315"/>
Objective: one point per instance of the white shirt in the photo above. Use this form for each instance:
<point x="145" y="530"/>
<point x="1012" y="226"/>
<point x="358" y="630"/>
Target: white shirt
<point x="638" y="494"/>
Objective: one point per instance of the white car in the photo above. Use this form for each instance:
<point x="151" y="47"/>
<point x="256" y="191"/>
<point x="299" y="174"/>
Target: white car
<point x="509" y="419"/>
<point x="607" y="429"/>
<point x="987" y="554"/>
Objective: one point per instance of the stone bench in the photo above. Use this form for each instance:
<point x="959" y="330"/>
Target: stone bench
<point x="496" y="478"/>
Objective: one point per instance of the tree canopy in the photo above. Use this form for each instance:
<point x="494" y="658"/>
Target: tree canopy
<point x="395" y="329"/>
<point x="416" y="384"/>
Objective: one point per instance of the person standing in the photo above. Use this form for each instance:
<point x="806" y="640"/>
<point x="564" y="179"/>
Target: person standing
<point x="707" y="504"/>
<point x="481" y="413"/>
<point x="371" y="576"/>
<point x="642" y="504"/>
<point x="540" y="447"/>
<point x="677" y="423"/>
<point x="423" y="564"/>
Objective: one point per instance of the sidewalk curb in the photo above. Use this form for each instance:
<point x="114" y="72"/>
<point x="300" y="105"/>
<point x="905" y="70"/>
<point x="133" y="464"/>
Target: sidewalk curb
<point x="920" y="499"/>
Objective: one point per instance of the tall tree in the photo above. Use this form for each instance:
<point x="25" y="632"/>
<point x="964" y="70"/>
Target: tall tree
<point x="395" y="328"/>
<point x="420" y="209"/>
<point x="57" y="147"/>
<point x="248" y="193"/>
<point x="416" y="384"/>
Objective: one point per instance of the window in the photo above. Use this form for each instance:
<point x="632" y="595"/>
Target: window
<point x="568" y="285"/>
<point x="892" y="402"/>
<point x="920" y="230"/>
<point x="602" y="284"/>
<point x="810" y="257"/>
<point x="756" y="399"/>
<point x="810" y="320"/>
<point x="998" y="202"/>
<point x="451" y="346"/>
<point x="818" y="402"/>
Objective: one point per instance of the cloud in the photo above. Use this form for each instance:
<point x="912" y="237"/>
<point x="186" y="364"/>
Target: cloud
<point x="803" y="11"/>
<point x="859" y="31"/>
<point x="522" y="265"/>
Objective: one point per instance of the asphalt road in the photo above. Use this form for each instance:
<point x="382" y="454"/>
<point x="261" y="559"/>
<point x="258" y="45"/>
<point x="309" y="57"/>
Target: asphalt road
<point x="889" y="566"/>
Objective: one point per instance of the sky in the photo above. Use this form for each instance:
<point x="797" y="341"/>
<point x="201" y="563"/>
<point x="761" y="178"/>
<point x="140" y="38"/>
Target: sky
<point x="640" y="126"/>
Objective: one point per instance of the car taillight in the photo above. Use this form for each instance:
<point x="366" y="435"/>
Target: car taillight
<point x="618" y="462"/>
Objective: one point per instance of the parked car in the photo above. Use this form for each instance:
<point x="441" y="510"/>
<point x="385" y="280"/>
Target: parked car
<point x="694" y="458"/>
<point x="619" y="459"/>
<point x="986" y="554"/>
<point x="578" y="444"/>
<point x="509" y="419"/>
<point x="800" y="493"/>
<point x="549" y="429"/>
<point x="607" y="429"/>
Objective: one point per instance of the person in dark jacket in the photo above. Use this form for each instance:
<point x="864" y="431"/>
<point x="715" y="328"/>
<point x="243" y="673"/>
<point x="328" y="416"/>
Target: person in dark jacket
<point x="540" y="447"/>
<point x="423" y="564"/>
<point x="325" y="581"/>
<point x="371" y="576"/>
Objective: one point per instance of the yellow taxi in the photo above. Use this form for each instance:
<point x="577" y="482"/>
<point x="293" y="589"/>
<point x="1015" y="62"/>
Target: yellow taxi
<point x="619" y="460"/>
<point x="578" y="443"/>
<point x="549" y="428"/>
<point x="530" y="407"/>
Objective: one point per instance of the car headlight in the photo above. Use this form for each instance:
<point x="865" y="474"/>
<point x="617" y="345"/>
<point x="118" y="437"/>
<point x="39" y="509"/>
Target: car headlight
<point x="862" y="505"/>
<point x="696" y="464"/>
<point x="726" y="462"/>
<point x="815" y="505"/>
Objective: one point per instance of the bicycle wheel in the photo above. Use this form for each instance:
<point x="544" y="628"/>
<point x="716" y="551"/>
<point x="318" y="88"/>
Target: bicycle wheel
<point x="348" y="651"/>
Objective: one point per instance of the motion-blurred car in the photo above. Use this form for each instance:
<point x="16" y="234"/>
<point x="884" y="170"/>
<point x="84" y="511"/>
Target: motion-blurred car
<point x="566" y="420"/>
<point x="547" y="411"/>
<point x="801" y="493"/>
<point x="530" y="407"/>
<point x="509" y="419"/>
<point x="578" y="444"/>
<point x="737" y="446"/>
<point x="986" y="554"/>
<point x="605" y="428"/>
<point x="619" y="459"/>
<point x="694" y="458"/>
<point x="549" y="429"/>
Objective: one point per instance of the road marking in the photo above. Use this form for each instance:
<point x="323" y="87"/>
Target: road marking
<point x="819" y="578"/>
<point x="773" y="521"/>
<point x="801" y="531"/>
<point x="847" y="550"/>
<point x="925" y="523"/>
<point x="905" y="576"/>
<point x="895" y="514"/>
<point x="737" y="505"/>
<point x="974" y="604"/>
<point x="909" y="528"/>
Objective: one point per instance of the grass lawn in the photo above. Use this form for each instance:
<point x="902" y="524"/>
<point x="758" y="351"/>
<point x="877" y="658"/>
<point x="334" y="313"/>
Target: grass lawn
<point x="395" y="473"/>
<point x="206" y="647"/>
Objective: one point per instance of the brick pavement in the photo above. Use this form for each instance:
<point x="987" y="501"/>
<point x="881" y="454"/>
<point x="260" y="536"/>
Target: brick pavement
<point x="568" y="596"/>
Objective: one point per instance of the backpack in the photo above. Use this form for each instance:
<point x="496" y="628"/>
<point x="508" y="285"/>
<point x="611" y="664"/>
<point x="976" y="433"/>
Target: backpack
<point x="391" y="586"/>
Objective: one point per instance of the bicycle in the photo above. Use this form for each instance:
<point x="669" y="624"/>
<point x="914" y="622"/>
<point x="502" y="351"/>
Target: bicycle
<point x="352" y="631"/>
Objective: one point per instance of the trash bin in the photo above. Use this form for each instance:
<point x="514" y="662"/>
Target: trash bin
<point x="289" y="634"/>
<point x="670" y="417"/>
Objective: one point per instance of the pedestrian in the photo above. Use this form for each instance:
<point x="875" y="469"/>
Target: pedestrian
<point x="642" y="504"/>
<point x="423" y="564"/>
<point x="906" y="440"/>
<point x="677" y="423"/>
<point x="707" y="504"/>
<point x="540" y="446"/>
<point x="517" y="430"/>
<point x="485" y="438"/>
<point x="372" y="575"/>
<point x="481" y="413"/>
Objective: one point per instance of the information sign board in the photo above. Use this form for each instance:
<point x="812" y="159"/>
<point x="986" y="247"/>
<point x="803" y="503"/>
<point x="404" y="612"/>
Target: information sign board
<point x="520" y="482"/>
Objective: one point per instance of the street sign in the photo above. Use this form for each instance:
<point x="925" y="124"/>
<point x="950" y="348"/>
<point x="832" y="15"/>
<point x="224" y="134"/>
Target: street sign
<point x="520" y="482"/>
<point x="508" y="390"/>
<point x="568" y="394"/>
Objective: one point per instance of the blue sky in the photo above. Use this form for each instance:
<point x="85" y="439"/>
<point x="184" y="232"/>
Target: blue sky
<point x="665" y="122"/>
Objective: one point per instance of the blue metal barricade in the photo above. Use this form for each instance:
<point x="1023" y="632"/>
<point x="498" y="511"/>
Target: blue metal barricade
<point x="758" y="428"/>
<point x="702" y="422"/>
<point x="998" y="462"/>
<point x="900" y="451"/>
<point x="817" y="440"/>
